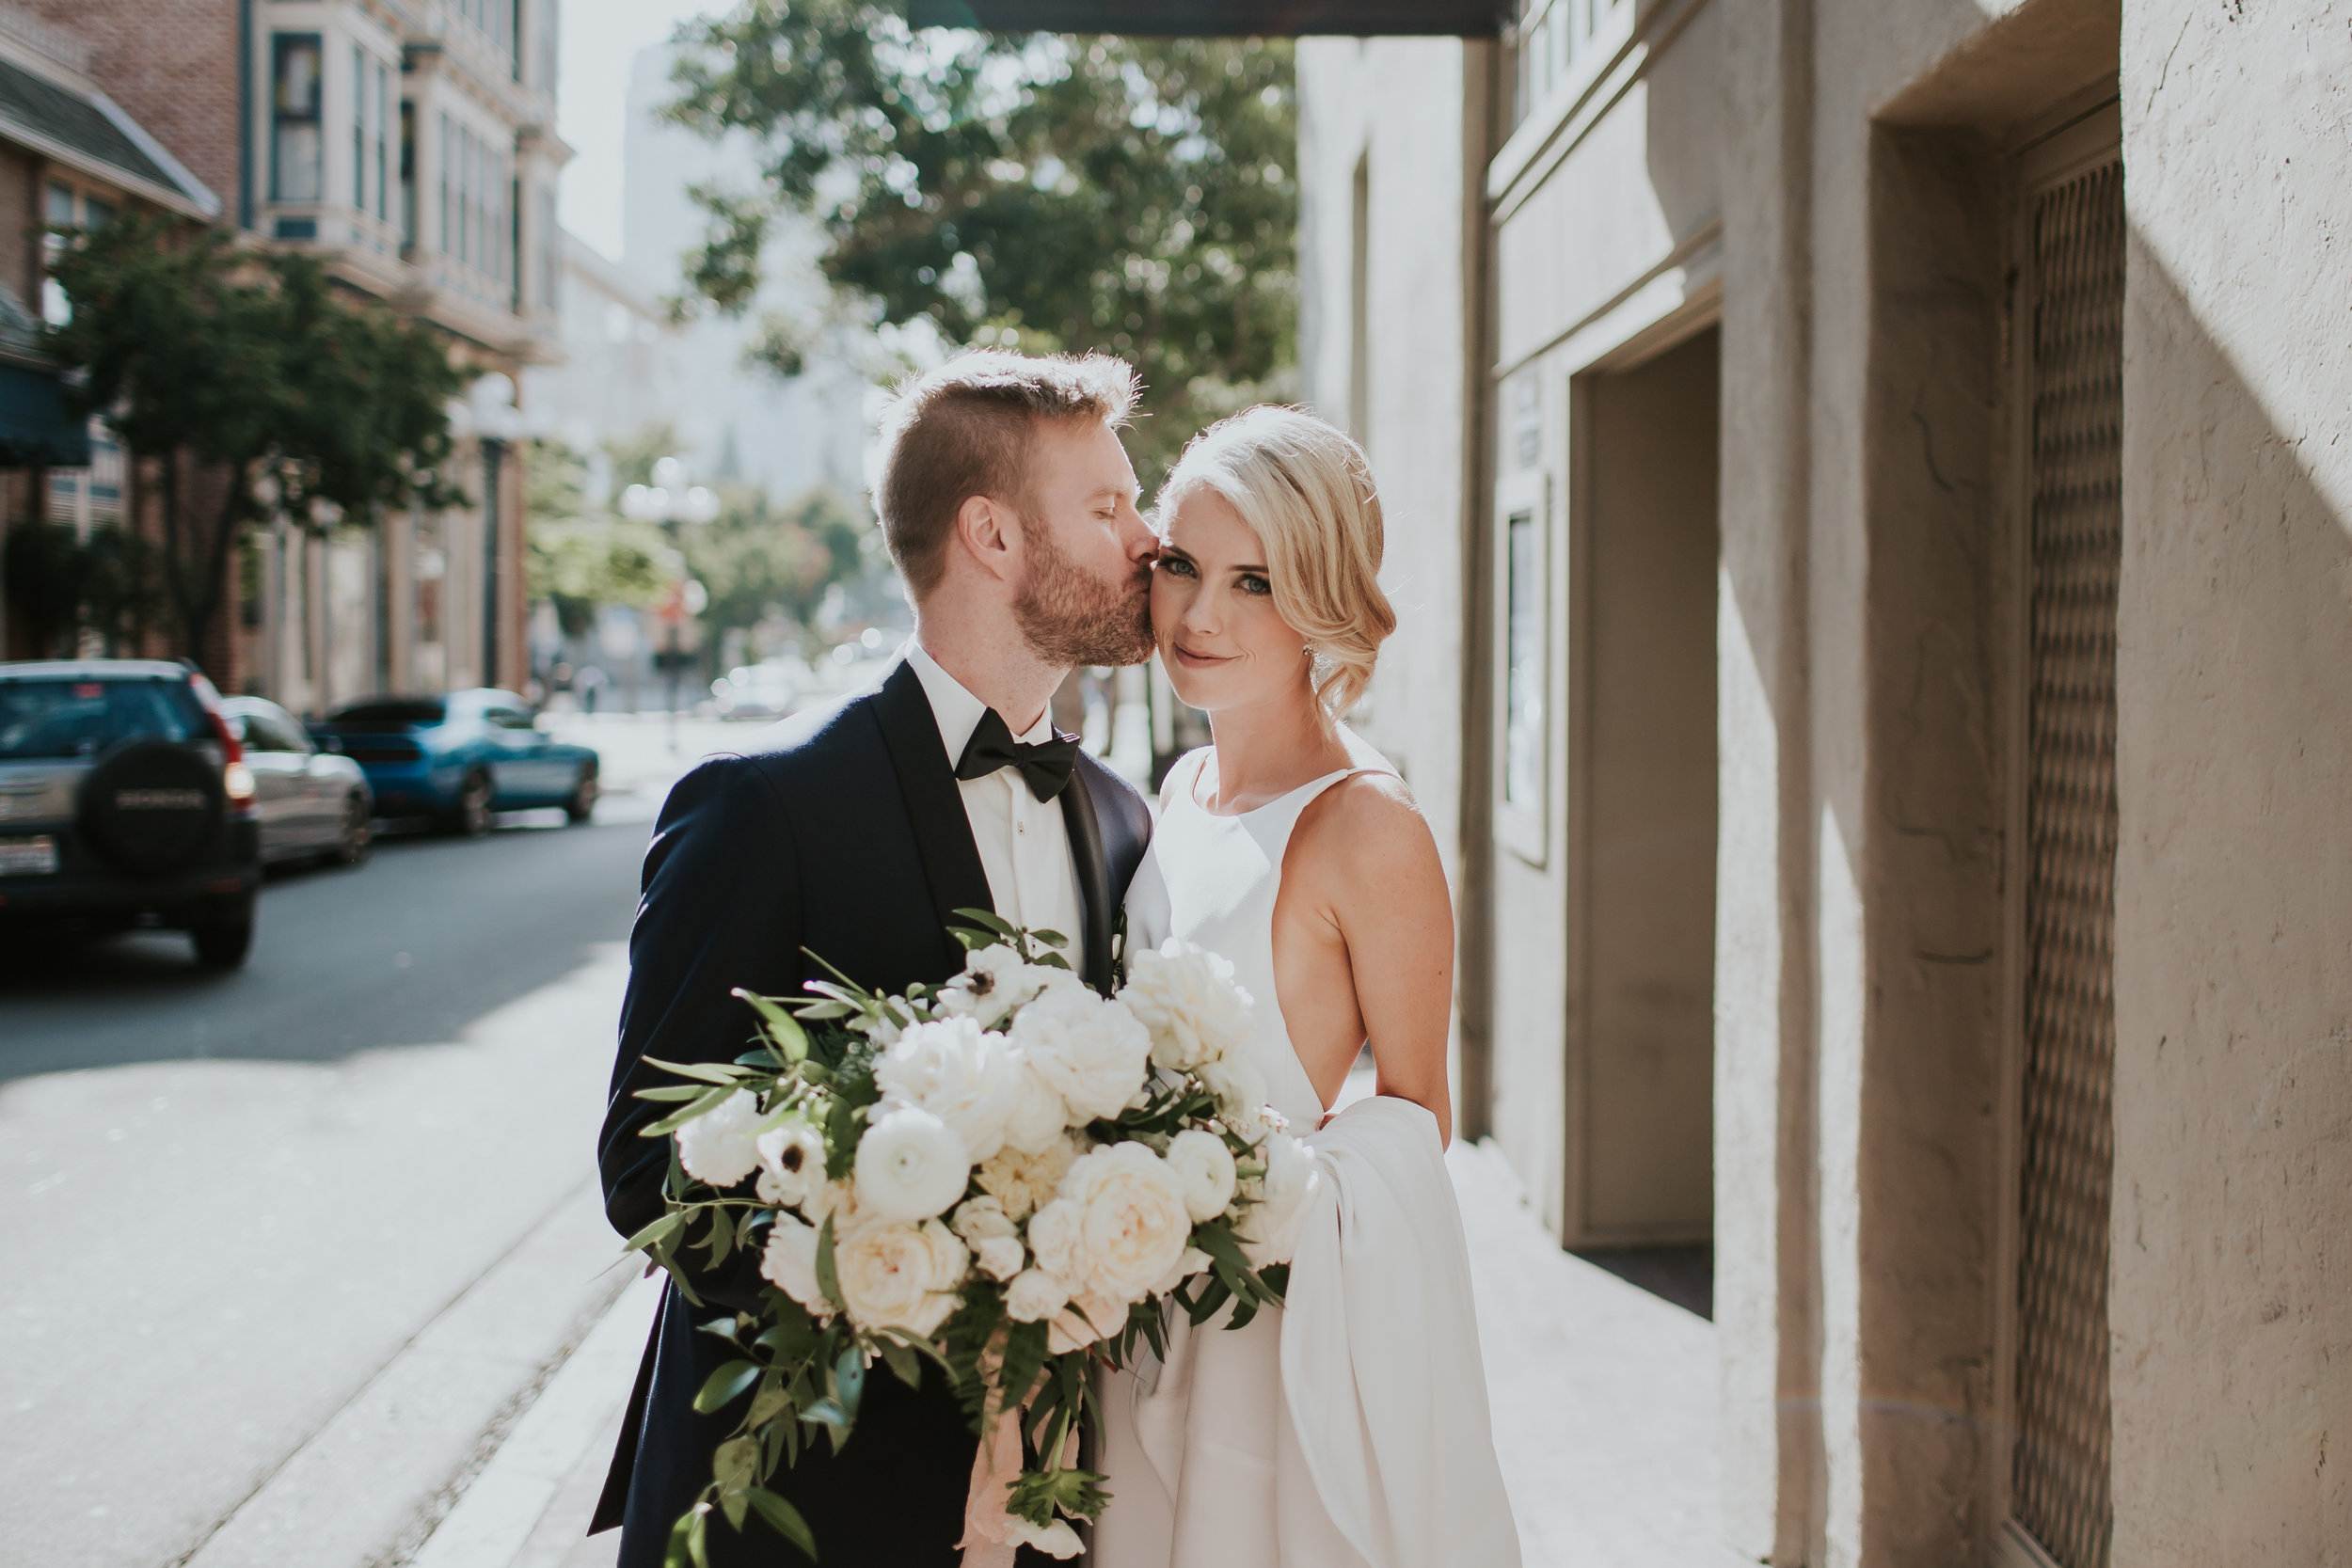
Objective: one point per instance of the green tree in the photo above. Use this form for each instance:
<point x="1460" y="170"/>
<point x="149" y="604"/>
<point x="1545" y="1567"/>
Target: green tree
<point x="759" y="560"/>
<point x="579" y="557"/>
<point x="261" y="385"/>
<point x="1053" y="193"/>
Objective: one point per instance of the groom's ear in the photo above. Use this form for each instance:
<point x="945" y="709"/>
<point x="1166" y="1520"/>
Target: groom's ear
<point x="987" y="531"/>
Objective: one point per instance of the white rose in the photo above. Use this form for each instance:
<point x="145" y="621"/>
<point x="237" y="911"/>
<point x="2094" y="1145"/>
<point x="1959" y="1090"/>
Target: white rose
<point x="1055" y="1537"/>
<point x="721" y="1146"/>
<point x="910" y="1165"/>
<point x="789" y="1263"/>
<point x="1000" y="1256"/>
<point x="1131" y="1222"/>
<point x="966" y="1077"/>
<point x="1269" y="1231"/>
<point x="1092" y="1051"/>
<point x="1239" y="1087"/>
<point x="901" y="1276"/>
<point x="1192" y="1262"/>
<point x="1204" y="1164"/>
<point x="1185" y="996"/>
<point x="978" y="1219"/>
<point x="1086" y="1319"/>
<point x="1057" y="1236"/>
<point x="1034" y="1295"/>
<point x="791" y="1162"/>
<point x="1021" y="1181"/>
<point x="1038" y="1116"/>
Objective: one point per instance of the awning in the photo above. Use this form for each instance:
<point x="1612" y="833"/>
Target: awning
<point x="1477" y="19"/>
<point x="36" y="430"/>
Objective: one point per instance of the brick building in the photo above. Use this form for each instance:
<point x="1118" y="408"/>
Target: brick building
<point x="410" y="146"/>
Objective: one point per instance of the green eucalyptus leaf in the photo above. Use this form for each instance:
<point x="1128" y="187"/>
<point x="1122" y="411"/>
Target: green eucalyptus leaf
<point x="705" y="1072"/>
<point x="784" y="1519"/>
<point x="725" y="1385"/>
<point x="660" y="1231"/>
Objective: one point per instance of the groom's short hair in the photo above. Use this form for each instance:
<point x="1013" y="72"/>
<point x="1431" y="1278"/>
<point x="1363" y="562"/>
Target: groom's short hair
<point x="967" y="429"/>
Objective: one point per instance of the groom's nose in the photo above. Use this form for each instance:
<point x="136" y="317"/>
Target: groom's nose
<point x="1141" y="543"/>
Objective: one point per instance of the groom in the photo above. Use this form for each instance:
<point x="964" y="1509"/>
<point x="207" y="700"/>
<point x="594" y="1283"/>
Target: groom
<point x="1009" y="507"/>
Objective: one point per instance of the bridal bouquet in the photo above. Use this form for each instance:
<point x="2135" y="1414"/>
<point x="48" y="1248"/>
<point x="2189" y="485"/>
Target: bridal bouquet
<point x="1007" y="1175"/>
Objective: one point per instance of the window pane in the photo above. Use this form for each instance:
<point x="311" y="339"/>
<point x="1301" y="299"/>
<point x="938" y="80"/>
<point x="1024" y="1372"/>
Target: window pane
<point x="58" y="208"/>
<point x="1523" y="744"/>
<point x="97" y="214"/>
<point x="296" y="153"/>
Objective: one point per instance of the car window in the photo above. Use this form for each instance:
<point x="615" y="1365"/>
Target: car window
<point x="78" y="717"/>
<point x="507" y="717"/>
<point x="265" y="731"/>
<point x="392" y="710"/>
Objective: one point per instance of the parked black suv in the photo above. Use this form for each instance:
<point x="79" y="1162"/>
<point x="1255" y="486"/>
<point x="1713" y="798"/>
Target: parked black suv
<point x="124" y="800"/>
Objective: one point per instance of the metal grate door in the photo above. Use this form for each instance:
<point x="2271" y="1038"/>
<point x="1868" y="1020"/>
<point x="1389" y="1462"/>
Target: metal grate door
<point x="2059" y="1489"/>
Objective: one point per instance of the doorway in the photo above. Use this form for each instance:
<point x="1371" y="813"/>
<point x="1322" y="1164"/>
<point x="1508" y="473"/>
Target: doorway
<point x="1641" y="820"/>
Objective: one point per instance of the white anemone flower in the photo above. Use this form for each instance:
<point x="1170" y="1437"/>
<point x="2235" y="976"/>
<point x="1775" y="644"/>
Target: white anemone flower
<point x="911" y="1165"/>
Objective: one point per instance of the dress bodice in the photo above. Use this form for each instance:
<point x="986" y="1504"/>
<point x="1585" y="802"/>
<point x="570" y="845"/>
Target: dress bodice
<point x="1212" y="879"/>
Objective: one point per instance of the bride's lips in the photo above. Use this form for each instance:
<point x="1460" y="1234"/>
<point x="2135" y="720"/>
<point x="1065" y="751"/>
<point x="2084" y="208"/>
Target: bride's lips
<point x="1191" y="660"/>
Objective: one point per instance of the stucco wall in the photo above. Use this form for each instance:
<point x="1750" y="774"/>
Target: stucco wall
<point x="2233" y="1247"/>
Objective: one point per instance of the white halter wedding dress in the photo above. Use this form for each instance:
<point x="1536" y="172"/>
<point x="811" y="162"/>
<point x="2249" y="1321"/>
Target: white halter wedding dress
<point x="1349" y="1430"/>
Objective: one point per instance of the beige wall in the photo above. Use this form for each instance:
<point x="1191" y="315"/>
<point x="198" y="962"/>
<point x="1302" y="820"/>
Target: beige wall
<point x="1835" y="184"/>
<point x="2232" y="1277"/>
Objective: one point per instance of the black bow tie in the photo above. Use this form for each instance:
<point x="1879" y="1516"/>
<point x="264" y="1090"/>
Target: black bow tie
<point x="1045" y="766"/>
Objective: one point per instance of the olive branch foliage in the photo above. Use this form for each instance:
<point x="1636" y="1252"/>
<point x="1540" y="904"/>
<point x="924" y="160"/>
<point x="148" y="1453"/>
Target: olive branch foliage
<point x="795" y="1380"/>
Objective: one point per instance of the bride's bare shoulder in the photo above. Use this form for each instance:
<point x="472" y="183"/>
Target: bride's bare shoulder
<point x="1366" y="833"/>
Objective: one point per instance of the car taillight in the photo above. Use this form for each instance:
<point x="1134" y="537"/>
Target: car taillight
<point x="236" y="779"/>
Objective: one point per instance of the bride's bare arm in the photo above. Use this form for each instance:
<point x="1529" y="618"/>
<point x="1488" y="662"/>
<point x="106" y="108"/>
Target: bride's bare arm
<point x="1364" y="943"/>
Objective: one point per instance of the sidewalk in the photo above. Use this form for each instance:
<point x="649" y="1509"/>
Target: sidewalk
<point x="1603" y="1400"/>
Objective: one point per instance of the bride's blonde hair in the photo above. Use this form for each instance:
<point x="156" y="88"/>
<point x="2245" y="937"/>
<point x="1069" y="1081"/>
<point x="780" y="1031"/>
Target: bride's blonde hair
<point x="1305" y="491"/>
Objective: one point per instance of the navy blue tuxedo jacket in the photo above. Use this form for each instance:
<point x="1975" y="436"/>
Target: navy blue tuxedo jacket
<point x="841" y="831"/>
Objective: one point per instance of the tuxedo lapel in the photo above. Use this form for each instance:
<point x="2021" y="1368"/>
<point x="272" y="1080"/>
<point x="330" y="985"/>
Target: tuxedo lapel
<point x="1094" y="881"/>
<point x="943" y="833"/>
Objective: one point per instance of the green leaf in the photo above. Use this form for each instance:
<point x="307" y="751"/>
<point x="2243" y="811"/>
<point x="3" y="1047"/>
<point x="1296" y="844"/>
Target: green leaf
<point x="903" y="1363"/>
<point x="784" y="1519"/>
<point x="660" y="1231"/>
<point x="672" y="1092"/>
<point x="827" y="1279"/>
<point x="826" y="1412"/>
<point x="769" y="1404"/>
<point x="732" y="1466"/>
<point x="676" y="1555"/>
<point x="782" y="1028"/>
<point x="722" y="1328"/>
<point x="849" y="1380"/>
<point x="724" y="1387"/>
<point x="1050" y="939"/>
<point x="697" y="1540"/>
<point x="702" y="1104"/>
<point x="705" y="1072"/>
<point x="821" y="1010"/>
<point x="989" y="920"/>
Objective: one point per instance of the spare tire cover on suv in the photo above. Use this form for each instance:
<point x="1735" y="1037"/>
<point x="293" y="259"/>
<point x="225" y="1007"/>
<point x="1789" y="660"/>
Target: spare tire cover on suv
<point x="153" y="807"/>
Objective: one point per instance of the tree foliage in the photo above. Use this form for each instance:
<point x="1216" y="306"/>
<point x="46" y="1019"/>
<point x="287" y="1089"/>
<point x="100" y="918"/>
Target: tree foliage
<point x="1055" y="193"/>
<point x="577" y="556"/>
<point x="759" y="560"/>
<point x="256" y="368"/>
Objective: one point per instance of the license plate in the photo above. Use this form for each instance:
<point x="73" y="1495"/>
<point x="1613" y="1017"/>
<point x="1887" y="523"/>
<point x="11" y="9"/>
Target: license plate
<point x="28" y="857"/>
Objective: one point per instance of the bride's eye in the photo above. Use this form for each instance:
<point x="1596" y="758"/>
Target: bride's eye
<point x="1255" y="586"/>
<point x="1176" y="566"/>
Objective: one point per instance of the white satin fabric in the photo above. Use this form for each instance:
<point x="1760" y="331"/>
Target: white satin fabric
<point x="1351" y="1429"/>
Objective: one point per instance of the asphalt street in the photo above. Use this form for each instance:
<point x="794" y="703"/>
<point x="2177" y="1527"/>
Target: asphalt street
<point x="228" y="1202"/>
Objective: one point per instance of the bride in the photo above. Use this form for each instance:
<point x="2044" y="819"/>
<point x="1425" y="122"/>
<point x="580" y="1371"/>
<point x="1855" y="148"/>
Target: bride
<point x="1351" y="1428"/>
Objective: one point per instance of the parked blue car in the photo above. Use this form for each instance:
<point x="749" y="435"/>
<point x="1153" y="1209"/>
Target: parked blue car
<point x="460" y="757"/>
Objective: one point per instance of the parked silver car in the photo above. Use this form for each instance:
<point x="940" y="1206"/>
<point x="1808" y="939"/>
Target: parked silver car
<point x="313" y="804"/>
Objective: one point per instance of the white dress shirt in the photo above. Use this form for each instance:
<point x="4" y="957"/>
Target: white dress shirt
<point x="1024" y="842"/>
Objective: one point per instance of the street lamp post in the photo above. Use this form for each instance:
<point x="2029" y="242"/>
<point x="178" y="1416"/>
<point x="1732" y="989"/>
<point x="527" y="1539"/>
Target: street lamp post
<point x="670" y="501"/>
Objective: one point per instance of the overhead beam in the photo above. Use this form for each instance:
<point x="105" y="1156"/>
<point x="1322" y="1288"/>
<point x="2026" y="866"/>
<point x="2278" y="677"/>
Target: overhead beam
<point x="1218" y="18"/>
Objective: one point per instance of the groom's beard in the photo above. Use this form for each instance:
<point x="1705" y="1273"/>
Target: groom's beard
<point x="1072" y="617"/>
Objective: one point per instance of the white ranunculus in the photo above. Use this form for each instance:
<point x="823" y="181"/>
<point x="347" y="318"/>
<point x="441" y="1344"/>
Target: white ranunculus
<point x="791" y="1162"/>
<point x="1038" y="1114"/>
<point x="978" y="1219"/>
<point x="1092" y="1051"/>
<point x="1204" y="1164"/>
<point x="1131" y="1221"/>
<point x="1055" y="1539"/>
<point x="1269" y="1231"/>
<point x="1021" y="1181"/>
<point x="965" y="1076"/>
<point x="1000" y="1256"/>
<point x="901" y="1276"/>
<point x="910" y="1165"/>
<point x="789" y="1263"/>
<point x="1034" y="1295"/>
<point x="721" y="1146"/>
<point x="1194" y="1261"/>
<point x="996" y="981"/>
<point x="1187" y="997"/>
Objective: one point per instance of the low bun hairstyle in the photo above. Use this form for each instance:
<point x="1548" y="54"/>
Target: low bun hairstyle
<point x="1305" y="491"/>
